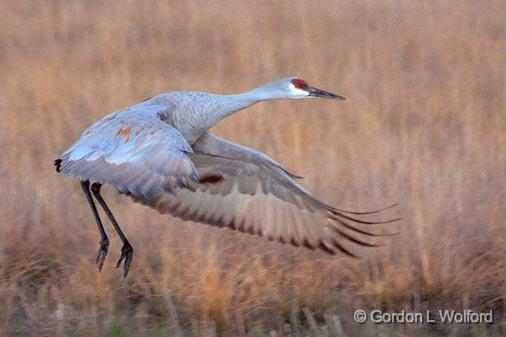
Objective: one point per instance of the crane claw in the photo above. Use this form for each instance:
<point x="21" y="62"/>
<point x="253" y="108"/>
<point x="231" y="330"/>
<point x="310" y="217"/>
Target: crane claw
<point x="127" y="253"/>
<point x="102" y="253"/>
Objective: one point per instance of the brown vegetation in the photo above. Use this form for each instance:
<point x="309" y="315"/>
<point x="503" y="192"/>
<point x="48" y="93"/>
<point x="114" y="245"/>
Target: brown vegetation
<point x="424" y="124"/>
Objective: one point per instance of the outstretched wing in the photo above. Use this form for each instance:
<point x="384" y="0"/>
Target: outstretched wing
<point x="132" y="150"/>
<point x="245" y="190"/>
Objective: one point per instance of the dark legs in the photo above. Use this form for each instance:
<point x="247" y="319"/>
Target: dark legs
<point x="127" y="250"/>
<point x="104" y="241"/>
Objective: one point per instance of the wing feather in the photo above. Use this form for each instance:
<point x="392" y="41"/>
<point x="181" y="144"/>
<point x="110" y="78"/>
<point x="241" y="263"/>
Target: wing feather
<point x="251" y="193"/>
<point x="134" y="151"/>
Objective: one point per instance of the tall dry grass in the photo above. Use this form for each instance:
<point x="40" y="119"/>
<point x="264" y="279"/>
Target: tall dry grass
<point x="424" y="124"/>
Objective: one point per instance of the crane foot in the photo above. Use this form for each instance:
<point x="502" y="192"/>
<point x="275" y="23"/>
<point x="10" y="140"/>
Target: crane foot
<point x="102" y="253"/>
<point x="127" y="253"/>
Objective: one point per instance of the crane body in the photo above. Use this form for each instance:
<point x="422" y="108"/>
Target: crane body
<point x="161" y="154"/>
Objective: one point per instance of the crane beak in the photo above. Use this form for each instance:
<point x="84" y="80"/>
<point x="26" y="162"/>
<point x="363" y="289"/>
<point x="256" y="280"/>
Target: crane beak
<point x="314" y="92"/>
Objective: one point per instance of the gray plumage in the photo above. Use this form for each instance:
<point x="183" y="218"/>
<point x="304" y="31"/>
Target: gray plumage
<point x="161" y="154"/>
<point x="133" y="150"/>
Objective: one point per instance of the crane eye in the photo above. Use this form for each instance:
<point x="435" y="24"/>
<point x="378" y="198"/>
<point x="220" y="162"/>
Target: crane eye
<point x="299" y="84"/>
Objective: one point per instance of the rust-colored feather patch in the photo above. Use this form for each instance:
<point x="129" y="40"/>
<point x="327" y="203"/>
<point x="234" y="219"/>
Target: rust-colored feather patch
<point x="125" y="132"/>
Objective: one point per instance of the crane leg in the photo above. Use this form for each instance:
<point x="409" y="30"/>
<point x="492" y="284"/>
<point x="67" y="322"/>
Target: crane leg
<point x="126" y="251"/>
<point x="104" y="240"/>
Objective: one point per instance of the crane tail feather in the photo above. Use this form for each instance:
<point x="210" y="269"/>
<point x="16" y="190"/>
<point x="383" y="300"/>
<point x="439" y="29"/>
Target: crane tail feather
<point x="57" y="163"/>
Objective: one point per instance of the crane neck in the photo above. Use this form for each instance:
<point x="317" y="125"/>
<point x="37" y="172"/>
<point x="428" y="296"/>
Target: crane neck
<point x="264" y="92"/>
<point x="193" y="121"/>
<point x="229" y="104"/>
<point x="237" y="102"/>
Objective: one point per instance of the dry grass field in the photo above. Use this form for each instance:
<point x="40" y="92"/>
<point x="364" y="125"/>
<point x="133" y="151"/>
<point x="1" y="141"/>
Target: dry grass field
<point x="424" y="124"/>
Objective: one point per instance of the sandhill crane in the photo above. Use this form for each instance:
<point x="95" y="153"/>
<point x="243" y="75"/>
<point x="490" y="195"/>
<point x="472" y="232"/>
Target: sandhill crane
<point x="161" y="154"/>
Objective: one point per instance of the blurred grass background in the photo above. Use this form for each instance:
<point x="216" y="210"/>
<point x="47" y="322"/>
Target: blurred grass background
<point x="424" y="124"/>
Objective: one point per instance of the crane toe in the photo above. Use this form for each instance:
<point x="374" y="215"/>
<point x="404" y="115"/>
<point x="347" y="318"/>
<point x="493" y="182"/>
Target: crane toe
<point x="126" y="257"/>
<point x="102" y="253"/>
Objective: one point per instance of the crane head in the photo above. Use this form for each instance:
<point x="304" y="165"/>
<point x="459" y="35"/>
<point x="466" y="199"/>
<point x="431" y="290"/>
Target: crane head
<point x="290" y="88"/>
<point x="300" y="89"/>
